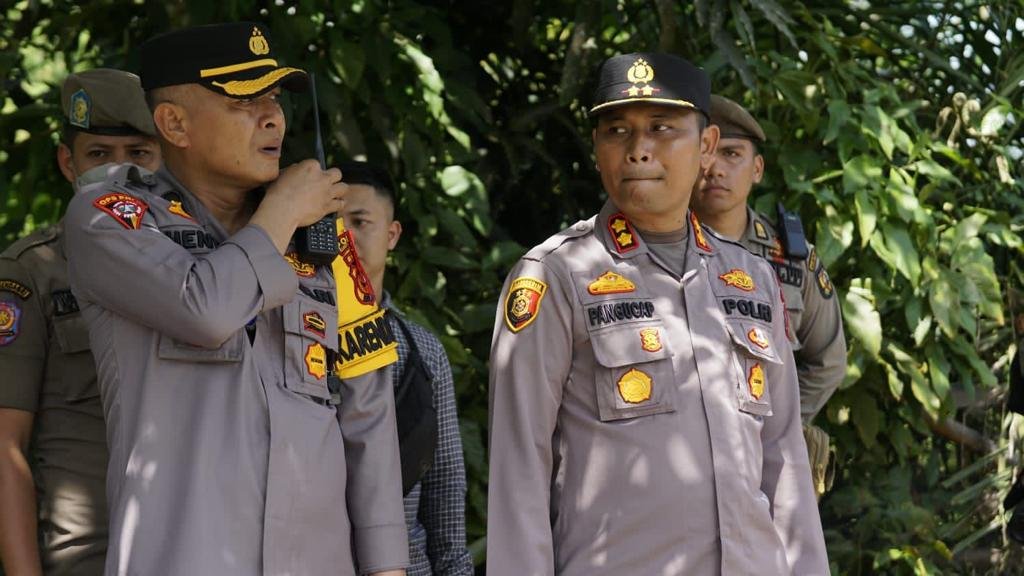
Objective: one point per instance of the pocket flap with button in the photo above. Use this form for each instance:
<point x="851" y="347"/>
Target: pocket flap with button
<point x="631" y="344"/>
<point x="305" y="317"/>
<point x="230" y="351"/>
<point x="755" y="339"/>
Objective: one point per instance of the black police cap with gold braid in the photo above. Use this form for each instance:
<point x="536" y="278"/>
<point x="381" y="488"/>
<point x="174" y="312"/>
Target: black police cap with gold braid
<point x="651" y="78"/>
<point x="234" y="59"/>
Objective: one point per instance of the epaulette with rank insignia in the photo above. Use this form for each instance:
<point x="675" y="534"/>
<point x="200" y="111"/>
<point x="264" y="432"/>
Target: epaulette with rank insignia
<point x="578" y="229"/>
<point x="37" y="238"/>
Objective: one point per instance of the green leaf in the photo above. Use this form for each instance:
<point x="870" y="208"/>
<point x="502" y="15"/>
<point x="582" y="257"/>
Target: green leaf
<point x="866" y="417"/>
<point x="943" y="297"/>
<point x="349" y="61"/>
<point x="867" y="215"/>
<point x="861" y="173"/>
<point x="861" y="317"/>
<point x="838" y="116"/>
<point x="895" y="247"/>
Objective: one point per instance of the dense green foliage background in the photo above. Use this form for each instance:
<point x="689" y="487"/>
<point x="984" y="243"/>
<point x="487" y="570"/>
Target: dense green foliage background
<point x="894" y="129"/>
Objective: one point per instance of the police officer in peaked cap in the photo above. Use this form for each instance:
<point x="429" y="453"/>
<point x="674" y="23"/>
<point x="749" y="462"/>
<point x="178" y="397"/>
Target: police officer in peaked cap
<point x="214" y="340"/>
<point x="53" y="451"/>
<point x="644" y="405"/>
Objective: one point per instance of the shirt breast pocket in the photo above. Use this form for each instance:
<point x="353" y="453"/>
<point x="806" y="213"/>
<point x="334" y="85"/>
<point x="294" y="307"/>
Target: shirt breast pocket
<point x="753" y="352"/>
<point x="634" y="375"/>
<point x="76" y="368"/>
<point x="311" y="337"/>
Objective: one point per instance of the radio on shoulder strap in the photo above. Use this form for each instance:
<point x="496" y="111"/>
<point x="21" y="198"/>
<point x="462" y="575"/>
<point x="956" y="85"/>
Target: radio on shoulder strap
<point x="791" y="231"/>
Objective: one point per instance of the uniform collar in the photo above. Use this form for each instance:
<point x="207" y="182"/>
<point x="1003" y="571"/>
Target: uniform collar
<point x="759" y="229"/>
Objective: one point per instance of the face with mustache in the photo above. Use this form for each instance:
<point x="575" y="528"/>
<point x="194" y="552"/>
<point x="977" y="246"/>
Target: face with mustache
<point x="726" y="183"/>
<point x="649" y="157"/>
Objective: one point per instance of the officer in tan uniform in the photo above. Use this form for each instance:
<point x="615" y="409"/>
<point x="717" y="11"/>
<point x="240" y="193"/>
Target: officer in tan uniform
<point x="53" y="454"/>
<point x="644" y="406"/>
<point x="720" y="200"/>
<point x="214" y="341"/>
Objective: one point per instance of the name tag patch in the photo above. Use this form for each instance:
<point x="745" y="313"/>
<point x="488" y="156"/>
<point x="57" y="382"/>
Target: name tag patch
<point x="622" y="311"/>
<point x="748" y="308"/>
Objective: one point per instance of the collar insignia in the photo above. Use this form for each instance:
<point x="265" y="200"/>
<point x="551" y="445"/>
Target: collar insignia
<point x="177" y="208"/>
<point x="738" y="279"/>
<point x="640" y="75"/>
<point x="650" y="340"/>
<point x="756" y="335"/>
<point x="756" y="381"/>
<point x="81" y="109"/>
<point x="698" y="233"/>
<point x="258" y="43"/>
<point x="760" y="231"/>
<point x="622" y="233"/>
<point x="812" y="260"/>
<point x="610" y="283"/>
<point x="316" y="360"/>
<point x="522" y="304"/>
<point x="635" y="386"/>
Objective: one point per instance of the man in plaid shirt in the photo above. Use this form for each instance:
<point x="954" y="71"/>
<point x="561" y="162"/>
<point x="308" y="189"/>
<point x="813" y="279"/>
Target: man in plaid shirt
<point x="435" y="502"/>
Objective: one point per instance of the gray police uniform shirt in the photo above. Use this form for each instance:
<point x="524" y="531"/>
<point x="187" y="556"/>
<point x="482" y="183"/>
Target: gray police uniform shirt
<point x="644" y="422"/>
<point x="226" y="456"/>
<point x="47" y="370"/>
<point x="813" y="307"/>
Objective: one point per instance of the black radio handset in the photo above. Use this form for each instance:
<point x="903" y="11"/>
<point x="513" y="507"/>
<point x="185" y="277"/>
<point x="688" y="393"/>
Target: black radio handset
<point x="317" y="243"/>
<point x="792" y="232"/>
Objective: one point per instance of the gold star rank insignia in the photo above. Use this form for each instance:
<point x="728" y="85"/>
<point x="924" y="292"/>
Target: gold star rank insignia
<point x="522" y="304"/>
<point x="622" y="233"/>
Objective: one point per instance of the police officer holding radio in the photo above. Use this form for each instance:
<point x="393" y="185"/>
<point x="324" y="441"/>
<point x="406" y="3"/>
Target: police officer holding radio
<point x="53" y="452"/>
<point x="644" y="404"/>
<point x="214" y="343"/>
<point x="720" y="200"/>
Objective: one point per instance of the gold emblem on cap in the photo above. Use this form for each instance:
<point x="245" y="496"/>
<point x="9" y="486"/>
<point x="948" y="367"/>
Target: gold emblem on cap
<point x="258" y="43"/>
<point x="640" y="73"/>
<point x="635" y="386"/>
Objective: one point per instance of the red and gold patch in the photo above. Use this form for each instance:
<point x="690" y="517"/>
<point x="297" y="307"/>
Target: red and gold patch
<point x="650" y="339"/>
<point x="635" y="386"/>
<point x="10" y="315"/>
<point x="622" y="233"/>
<point x="522" y="304"/>
<point x="314" y="323"/>
<point x="126" y="209"/>
<point x="176" y="208"/>
<point x="776" y="253"/>
<point x="698" y="233"/>
<point x="756" y="381"/>
<point x="610" y="283"/>
<point x="316" y="360"/>
<point x="301" y="268"/>
<point x="757" y="336"/>
<point x="825" y="284"/>
<point x="361" y="287"/>
<point x="738" y="279"/>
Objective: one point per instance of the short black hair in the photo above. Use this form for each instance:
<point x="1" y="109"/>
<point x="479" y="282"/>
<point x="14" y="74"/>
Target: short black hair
<point x="356" y="172"/>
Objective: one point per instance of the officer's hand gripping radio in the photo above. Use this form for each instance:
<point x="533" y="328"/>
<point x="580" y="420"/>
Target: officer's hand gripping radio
<point x="317" y="243"/>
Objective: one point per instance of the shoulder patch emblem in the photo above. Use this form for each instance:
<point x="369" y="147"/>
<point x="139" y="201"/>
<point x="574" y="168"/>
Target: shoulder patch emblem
<point x="622" y="233"/>
<point x="10" y="315"/>
<point x="16" y="288"/>
<point x="758" y="338"/>
<point x="126" y="209"/>
<point x="635" y="386"/>
<point x="756" y="381"/>
<point x="314" y="323"/>
<point x="760" y="231"/>
<point x="698" y="233"/>
<point x="738" y="279"/>
<point x="316" y="360"/>
<point x="825" y="284"/>
<point x="610" y="283"/>
<point x="650" y="339"/>
<point x="177" y="208"/>
<point x="522" y="304"/>
<point x="301" y="268"/>
<point x="812" y="260"/>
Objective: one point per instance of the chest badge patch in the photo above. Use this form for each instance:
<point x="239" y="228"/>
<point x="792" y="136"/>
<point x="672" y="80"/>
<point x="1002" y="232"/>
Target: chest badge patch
<point x="126" y="209"/>
<point x="758" y="338"/>
<point x="650" y="339"/>
<point x="15" y="287"/>
<point x="698" y="233"/>
<point x="301" y="268"/>
<point x="177" y="208"/>
<point x="314" y="323"/>
<point x="10" y="315"/>
<point x="635" y="386"/>
<point x="522" y="304"/>
<point x="756" y="381"/>
<point x="622" y="233"/>
<point x="316" y="360"/>
<point x="738" y="279"/>
<point x="611" y="283"/>
<point x="825" y="284"/>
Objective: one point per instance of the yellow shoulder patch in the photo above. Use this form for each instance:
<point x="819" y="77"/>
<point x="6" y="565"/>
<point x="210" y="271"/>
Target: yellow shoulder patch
<point x="522" y="303"/>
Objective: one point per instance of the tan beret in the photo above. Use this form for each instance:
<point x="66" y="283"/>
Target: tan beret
<point x="106" y="101"/>
<point x="733" y="120"/>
